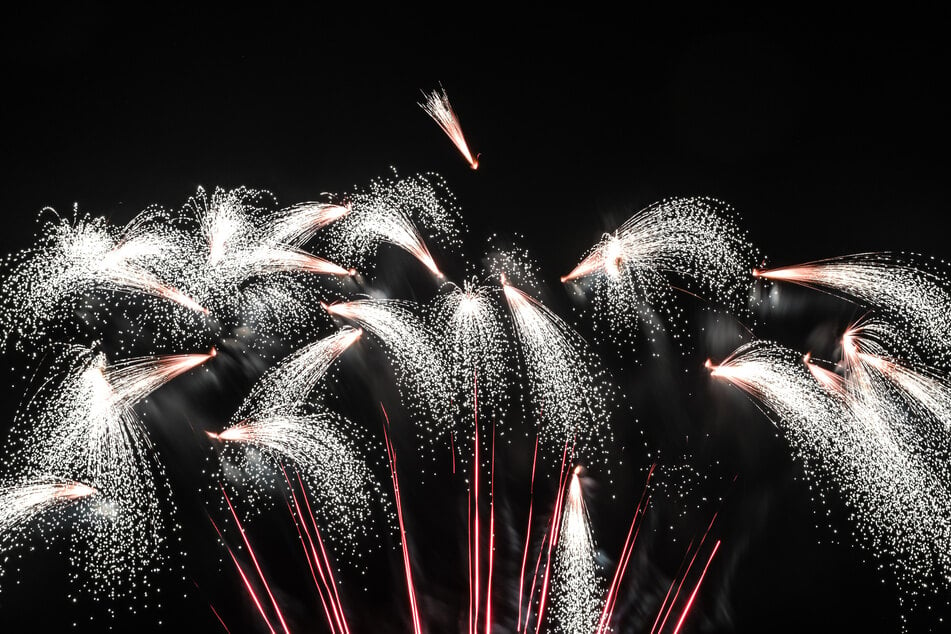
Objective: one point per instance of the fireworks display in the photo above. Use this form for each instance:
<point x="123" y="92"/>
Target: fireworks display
<point x="346" y="375"/>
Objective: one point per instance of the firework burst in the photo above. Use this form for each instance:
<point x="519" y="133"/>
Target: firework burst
<point x="692" y="242"/>
<point x="23" y="502"/>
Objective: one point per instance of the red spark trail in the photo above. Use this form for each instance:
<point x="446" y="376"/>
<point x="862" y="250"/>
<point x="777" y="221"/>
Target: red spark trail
<point x="553" y="540"/>
<point x="686" y="574"/>
<point x="437" y="106"/>
<point x="693" y="595"/>
<point x="475" y="470"/>
<point x="407" y="567"/>
<point x="488" y="592"/>
<point x="528" y="532"/>
<point x="244" y="578"/>
<point x="626" y="551"/>
<point x="257" y="566"/>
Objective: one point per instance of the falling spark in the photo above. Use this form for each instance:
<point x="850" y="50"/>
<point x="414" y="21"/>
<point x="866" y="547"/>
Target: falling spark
<point x="297" y="224"/>
<point x="693" y="241"/>
<point x="576" y="592"/>
<point x="913" y="297"/>
<point x="417" y="358"/>
<point x="855" y="441"/>
<point x="395" y="212"/>
<point x="85" y="428"/>
<point x="437" y="106"/>
<point x="560" y="372"/>
<point x="22" y="502"/>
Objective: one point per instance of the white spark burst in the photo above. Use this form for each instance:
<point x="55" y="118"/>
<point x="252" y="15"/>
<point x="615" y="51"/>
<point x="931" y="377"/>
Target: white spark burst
<point x="22" y="502"/>
<point x="854" y="440"/>
<point x="437" y="106"/>
<point x="297" y="224"/>
<point x="469" y="324"/>
<point x="418" y="361"/>
<point x="689" y="241"/>
<point x="83" y="256"/>
<point x="910" y="295"/>
<point x="392" y="212"/>
<point x="576" y="590"/>
<point x="562" y="377"/>
<point x="85" y="429"/>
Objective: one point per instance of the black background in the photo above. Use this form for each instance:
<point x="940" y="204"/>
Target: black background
<point x="827" y="141"/>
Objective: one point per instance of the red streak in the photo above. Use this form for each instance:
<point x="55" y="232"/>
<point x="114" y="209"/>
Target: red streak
<point x="687" y="573"/>
<point x="407" y="567"/>
<point x="244" y="578"/>
<point x="693" y="595"/>
<point x="553" y="539"/>
<point x="488" y="592"/>
<point x="257" y="566"/>
<point x="528" y="532"/>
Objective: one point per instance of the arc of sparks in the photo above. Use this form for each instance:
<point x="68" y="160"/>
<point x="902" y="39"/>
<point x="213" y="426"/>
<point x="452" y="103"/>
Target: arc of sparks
<point x="438" y="107"/>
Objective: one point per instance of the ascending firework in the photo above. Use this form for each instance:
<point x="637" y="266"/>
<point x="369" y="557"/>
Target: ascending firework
<point x="75" y="259"/>
<point x="275" y="420"/>
<point x="85" y="429"/>
<point x="853" y="440"/>
<point x="690" y="241"/>
<point x="570" y="394"/>
<point x="469" y="324"/>
<point x="576" y="592"/>
<point x="437" y="106"/>
<point x="23" y="502"/>
<point x="418" y="361"/>
<point x="913" y="297"/>
<point x="394" y="212"/>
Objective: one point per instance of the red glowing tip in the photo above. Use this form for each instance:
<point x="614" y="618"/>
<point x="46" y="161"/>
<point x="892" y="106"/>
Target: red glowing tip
<point x="475" y="164"/>
<point x="578" y="470"/>
<point x="212" y="435"/>
<point x="352" y="272"/>
<point x="503" y="279"/>
<point x="564" y="278"/>
<point x="708" y="364"/>
<point x="757" y="272"/>
<point x="325" y="306"/>
<point x="213" y="352"/>
<point x="807" y="357"/>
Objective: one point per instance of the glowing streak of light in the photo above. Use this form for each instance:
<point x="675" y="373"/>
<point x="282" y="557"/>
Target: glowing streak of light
<point x="528" y="532"/>
<point x="21" y="502"/>
<point x="607" y="611"/>
<point x="437" y="106"/>
<point x="693" y="595"/>
<point x="683" y="579"/>
<point x="488" y="592"/>
<point x="257" y="566"/>
<point x="245" y="580"/>
<point x="297" y="224"/>
<point x="407" y="565"/>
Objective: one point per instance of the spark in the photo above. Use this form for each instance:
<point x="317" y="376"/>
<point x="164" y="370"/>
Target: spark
<point x="914" y="298"/>
<point x="576" y="592"/>
<point x="437" y="106"/>
<point x="560" y="371"/>
<point x="394" y="212"/>
<point x="417" y="358"/>
<point x="22" y="502"/>
<point x="297" y="224"/>
<point x="633" y="269"/>
<point x="857" y="441"/>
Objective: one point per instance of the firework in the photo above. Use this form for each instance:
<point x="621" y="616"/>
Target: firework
<point x="84" y="428"/>
<point x="409" y="344"/>
<point x="576" y="592"/>
<point x="854" y="440"/>
<point x="469" y="323"/>
<point x="569" y="392"/>
<point x="74" y="259"/>
<point x="680" y="241"/>
<point x="23" y="502"/>
<point x="914" y="298"/>
<point x="393" y="212"/>
<point x="437" y="106"/>
<point x="297" y="224"/>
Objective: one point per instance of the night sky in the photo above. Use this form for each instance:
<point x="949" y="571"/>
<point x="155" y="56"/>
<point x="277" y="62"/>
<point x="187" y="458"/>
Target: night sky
<point x="825" y="142"/>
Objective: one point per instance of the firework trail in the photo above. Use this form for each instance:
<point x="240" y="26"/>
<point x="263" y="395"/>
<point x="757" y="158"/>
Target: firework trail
<point x="276" y="420"/>
<point x="391" y="212"/>
<point x="84" y="428"/>
<point x="74" y="259"/>
<point x="437" y="106"/>
<point x="469" y="323"/>
<point x="913" y="298"/>
<point x="576" y="592"/>
<point x="562" y="380"/>
<point x="297" y="224"/>
<point x="418" y="361"/>
<point x="852" y="441"/>
<point x="691" y="241"/>
<point x="21" y="503"/>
